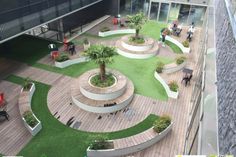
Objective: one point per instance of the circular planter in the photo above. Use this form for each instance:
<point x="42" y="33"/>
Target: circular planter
<point x="149" y="43"/>
<point x="89" y="81"/>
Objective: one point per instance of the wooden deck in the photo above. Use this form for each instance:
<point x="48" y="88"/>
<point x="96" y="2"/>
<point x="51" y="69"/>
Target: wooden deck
<point x="14" y="135"/>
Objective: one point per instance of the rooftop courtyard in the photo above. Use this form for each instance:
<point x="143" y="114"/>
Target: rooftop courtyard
<point x="113" y="90"/>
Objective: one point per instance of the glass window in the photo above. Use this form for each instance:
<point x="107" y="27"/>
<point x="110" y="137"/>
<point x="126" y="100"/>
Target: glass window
<point x="174" y="12"/>
<point x="125" y="7"/>
<point x="183" y="13"/>
<point x="197" y="14"/>
<point x="164" y="12"/>
<point x="139" y="6"/>
<point x="154" y="10"/>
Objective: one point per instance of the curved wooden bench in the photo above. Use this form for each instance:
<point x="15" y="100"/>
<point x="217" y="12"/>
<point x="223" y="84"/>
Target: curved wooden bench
<point x="173" y="67"/>
<point x="131" y="144"/>
<point x="24" y="104"/>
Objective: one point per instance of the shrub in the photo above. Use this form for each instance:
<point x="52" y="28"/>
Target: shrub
<point x="173" y="86"/>
<point x="85" y="41"/>
<point x="139" y="40"/>
<point x="96" y="81"/>
<point x="185" y="43"/>
<point x="179" y="60"/>
<point x="160" y="67"/>
<point x="161" y="123"/>
<point x="62" y="57"/>
<point x="100" y="142"/>
<point x="104" y="29"/>
<point x="27" y="84"/>
<point x="30" y="119"/>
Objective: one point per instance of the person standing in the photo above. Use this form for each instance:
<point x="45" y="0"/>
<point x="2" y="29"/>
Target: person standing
<point x="163" y="35"/>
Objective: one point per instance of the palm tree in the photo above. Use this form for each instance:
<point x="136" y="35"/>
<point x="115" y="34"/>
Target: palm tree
<point x="101" y="55"/>
<point x="137" y="21"/>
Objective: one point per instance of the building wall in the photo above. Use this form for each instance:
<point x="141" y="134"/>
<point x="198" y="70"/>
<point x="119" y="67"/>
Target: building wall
<point x="226" y="83"/>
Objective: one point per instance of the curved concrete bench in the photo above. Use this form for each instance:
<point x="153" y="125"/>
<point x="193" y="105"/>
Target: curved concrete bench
<point x="177" y="43"/>
<point x="173" y="67"/>
<point x="170" y="93"/>
<point x="131" y="144"/>
<point x="114" y="32"/>
<point x="70" y="62"/>
<point x="24" y="103"/>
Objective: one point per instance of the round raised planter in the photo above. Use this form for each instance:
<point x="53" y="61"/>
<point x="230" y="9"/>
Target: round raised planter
<point x="97" y="93"/>
<point x="148" y="45"/>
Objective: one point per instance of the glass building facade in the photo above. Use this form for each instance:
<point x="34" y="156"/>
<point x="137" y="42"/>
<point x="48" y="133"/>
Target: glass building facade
<point x="170" y="11"/>
<point x="17" y="16"/>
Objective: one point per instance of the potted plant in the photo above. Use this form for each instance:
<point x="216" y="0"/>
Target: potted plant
<point x="105" y="29"/>
<point x="186" y="43"/>
<point x="161" y="123"/>
<point x="160" y="67"/>
<point x="136" y="22"/>
<point x="173" y="85"/>
<point x="101" y="55"/>
<point x="28" y="85"/>
<point x="30" y="119"/>
<point x="179" y="60"/>
<point x="86" y="44"/>
<point x="62" y="57"/>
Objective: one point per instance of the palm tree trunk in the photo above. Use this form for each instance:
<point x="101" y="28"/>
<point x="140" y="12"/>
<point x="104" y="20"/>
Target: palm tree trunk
<point x="137" y="33"/>
<point x="102" y="71"/>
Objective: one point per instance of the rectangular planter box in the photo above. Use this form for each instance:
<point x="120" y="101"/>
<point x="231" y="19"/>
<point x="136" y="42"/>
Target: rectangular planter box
<point x="70" y="62"/>
<point x="113" y="32"/>
<point x="34" y="130"/>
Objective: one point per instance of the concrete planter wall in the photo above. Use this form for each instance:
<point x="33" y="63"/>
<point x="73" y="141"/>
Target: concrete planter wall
<point x="170" y="93"/>
<point x="102" y="109"/>
<point x="177" y="43"/>
<point x="38" y="127"/>
<point x="114" y="32"/>
<point x="31" y="91"/>
<point x="136" y="56"/>
<point x="131" y="149"/>
<point x="173" y="69"/>
<point x="34" y="130"/>
<point x="139" y="48"/>
<point x="70" y="62"/>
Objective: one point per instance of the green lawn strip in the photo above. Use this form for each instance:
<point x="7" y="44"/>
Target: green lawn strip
<point x="56" y="139"/>
<point x="174" y="47"/>
<point x="141" y="72"/>
<point x="25" y="49"/>
<point x="152" y="29"/>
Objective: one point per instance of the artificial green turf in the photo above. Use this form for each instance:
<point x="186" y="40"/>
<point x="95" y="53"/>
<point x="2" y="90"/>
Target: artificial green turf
<point x="141" y="72"/>
<point x="174" y="47"/>
<point x="25" y="49"/>
<point x="58" y="140"/>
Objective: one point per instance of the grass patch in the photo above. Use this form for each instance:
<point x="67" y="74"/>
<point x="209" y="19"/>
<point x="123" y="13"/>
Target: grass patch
<point x="25" y="49"/>
<point x="56" y="139"/>
<point x="174" y="47"/>
<point x="139" y="71"/>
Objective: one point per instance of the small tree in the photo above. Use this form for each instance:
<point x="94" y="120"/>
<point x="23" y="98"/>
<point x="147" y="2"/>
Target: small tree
<point x="101" y="55"/>
<point x="137" y="21"/>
